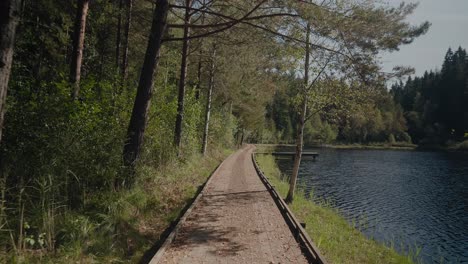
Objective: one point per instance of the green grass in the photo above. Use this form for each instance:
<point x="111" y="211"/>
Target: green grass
<point x="119" y="227"/>
<point x="336" y="239"/>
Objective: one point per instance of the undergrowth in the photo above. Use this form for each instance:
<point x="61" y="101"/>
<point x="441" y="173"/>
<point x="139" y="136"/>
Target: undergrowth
<point x="60" y="159"/>
<point x="118" y="227"/>
<point x="337" y="240"/>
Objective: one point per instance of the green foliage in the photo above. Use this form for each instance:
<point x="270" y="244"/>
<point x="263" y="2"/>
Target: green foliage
<point x="318" y="132"/>
<point x="223" y="127"/>
<point x="70" y="155"/>
<point x="338" y="112"/>
<point x="58" y="152"/>
<point x="60" y="158"/>
<point x="435" y="104"/>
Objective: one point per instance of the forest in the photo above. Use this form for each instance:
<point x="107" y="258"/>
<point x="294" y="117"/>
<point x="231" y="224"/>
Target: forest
<point x="114" y="112"/>
<point x="377" y="119"/>
<point x="436" y="104"/>
<point x="431" y="110"/>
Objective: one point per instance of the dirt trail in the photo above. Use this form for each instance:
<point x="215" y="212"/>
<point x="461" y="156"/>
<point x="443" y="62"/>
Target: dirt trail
<point x="235" y="221"/>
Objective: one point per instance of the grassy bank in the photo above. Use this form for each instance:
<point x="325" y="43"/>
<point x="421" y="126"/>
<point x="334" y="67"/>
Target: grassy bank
<point x="119" y="227"/>
<point x="337" y="240"/>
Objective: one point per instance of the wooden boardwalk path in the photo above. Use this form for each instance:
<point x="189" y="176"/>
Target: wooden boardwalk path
<point x="235" y="220"/>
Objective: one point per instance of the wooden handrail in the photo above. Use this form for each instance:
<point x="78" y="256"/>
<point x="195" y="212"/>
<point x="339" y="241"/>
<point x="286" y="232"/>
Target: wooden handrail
<point x="307" y="246"/>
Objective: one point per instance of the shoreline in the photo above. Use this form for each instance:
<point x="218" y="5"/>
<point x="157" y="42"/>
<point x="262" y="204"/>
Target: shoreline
<point x="458" y="147"/>
<point x="337" y="240"/>
<point x="403" y="146"/>
<point x="372" y="147"/>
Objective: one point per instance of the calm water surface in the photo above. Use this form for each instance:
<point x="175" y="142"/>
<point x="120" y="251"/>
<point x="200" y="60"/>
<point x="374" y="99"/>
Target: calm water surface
<point x="404" y="198"/>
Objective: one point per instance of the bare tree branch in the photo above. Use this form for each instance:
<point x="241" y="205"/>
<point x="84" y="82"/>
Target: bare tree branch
<point x="233" y="20"/>
<point x="221" y="29"/>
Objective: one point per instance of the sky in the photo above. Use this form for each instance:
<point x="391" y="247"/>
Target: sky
<point x="449" y="28"/>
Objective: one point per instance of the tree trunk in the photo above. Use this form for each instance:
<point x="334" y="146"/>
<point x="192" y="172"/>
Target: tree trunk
<point x="200" y="58"/>
<point x="208" y="102"/>
<point x="300" y="129"/>
<point x="126" y="41"/>
<point x="242" y="139"/>
<point x="199" y="75"/>
<point x="139" y="118"/>
<point x="118" y="40"/>
<point x="78" y="43"/>
<point x="183" y="76"/>
<point x="9" y="17"/>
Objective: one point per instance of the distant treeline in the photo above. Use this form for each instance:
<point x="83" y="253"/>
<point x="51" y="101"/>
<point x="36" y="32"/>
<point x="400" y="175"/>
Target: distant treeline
<point x="432" y="109"/>
<point x="436" y="104"/>
<point x="371" y="117"/>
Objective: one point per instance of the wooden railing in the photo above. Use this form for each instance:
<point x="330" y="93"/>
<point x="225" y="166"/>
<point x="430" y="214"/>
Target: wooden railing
<point x="307" y="246"/>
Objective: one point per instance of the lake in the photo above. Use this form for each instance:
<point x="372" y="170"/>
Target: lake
<point x="408" y="199"/>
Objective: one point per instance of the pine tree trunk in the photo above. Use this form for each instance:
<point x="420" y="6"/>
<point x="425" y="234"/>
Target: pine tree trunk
<point x="208" y="103"/>
<point x="139" y="117"/>
<point x="9" y="17"/>
<point x="300" y="129"/>
<point x="78" y="44"/>
<point x="183" y="76"/>
<point x="126" y="41"/>
<point x="118" y="40"/>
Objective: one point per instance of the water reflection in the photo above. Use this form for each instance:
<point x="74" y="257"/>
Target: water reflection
<point x="406" y="198"/>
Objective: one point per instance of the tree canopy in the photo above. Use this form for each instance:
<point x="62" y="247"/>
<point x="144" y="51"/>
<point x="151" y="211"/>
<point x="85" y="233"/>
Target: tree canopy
<point x="435" y="104"/>
<point x="101" y="93"/>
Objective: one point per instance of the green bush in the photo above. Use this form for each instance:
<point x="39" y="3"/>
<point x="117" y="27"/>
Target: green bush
<point x="60" y="159"/>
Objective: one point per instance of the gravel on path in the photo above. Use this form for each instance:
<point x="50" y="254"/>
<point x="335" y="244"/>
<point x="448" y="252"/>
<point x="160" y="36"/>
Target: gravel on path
<point x="234" y="221"/>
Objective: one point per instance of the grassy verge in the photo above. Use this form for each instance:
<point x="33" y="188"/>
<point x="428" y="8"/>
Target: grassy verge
<point x="338" y="241"/>
<point x="119" y="227"/>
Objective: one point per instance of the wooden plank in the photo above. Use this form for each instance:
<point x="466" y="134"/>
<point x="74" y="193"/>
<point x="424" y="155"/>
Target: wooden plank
<point x="301" y="235"/>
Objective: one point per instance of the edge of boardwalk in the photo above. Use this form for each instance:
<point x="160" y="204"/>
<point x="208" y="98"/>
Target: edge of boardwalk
<point x="168" y="240"/>
<point x="307" y="246"/>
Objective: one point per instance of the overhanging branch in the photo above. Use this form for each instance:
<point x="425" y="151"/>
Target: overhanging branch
<point x="235" y="22"/>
